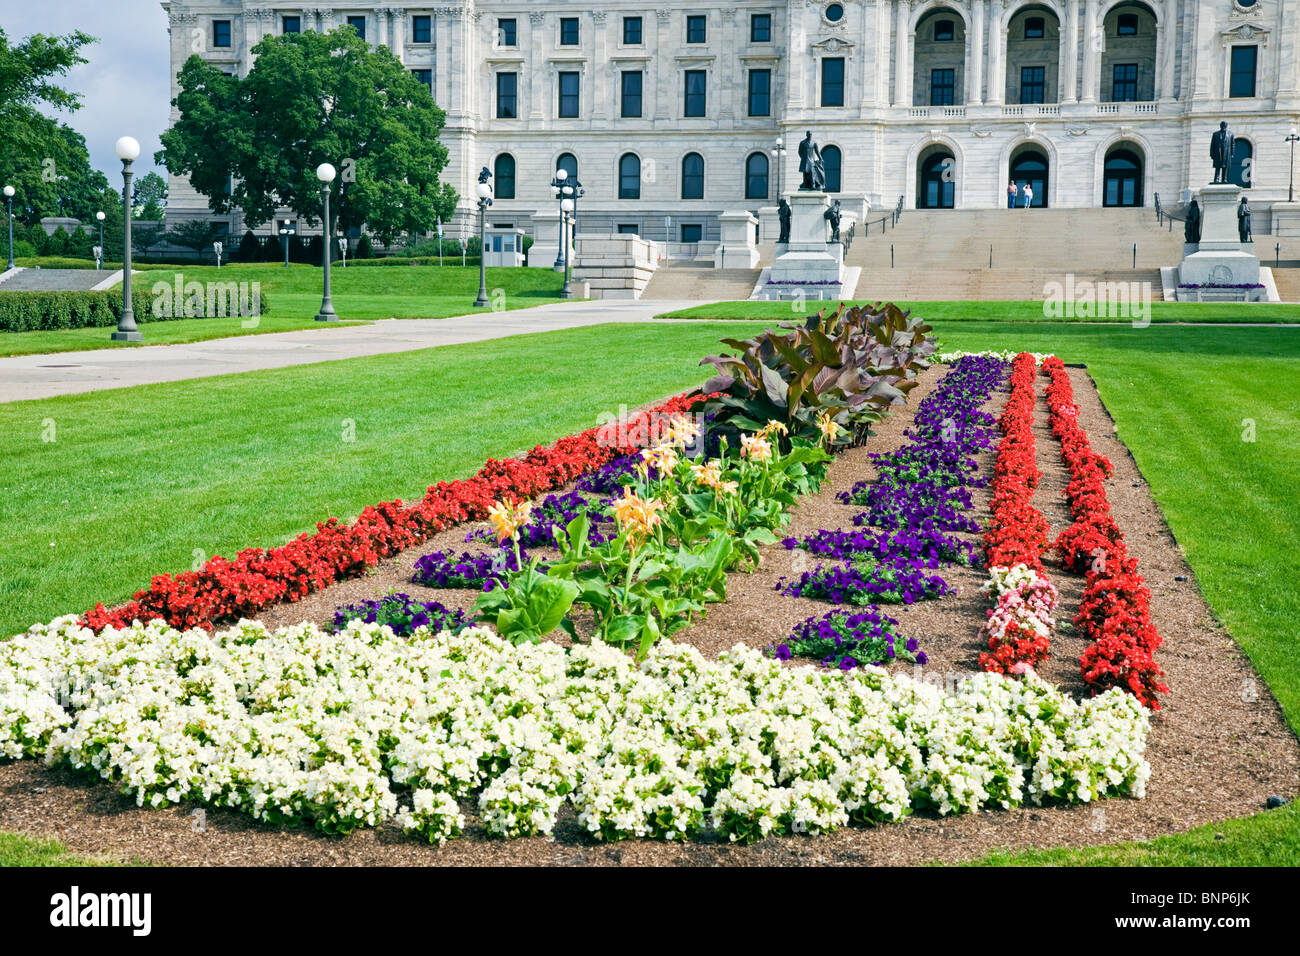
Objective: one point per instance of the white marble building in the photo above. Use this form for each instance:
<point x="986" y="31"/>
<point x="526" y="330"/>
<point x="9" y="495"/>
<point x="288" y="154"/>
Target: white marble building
<point x="670" y="115"/>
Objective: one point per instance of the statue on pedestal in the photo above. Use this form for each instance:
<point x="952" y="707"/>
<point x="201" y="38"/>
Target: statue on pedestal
<point x="811" y="165"/>
<point x="832" y="215"/>
<point x="1243" y="221"/>
<point x="783" y="211"/>
<point x="1221" y="147"/>
<point x="1192" y="228"/>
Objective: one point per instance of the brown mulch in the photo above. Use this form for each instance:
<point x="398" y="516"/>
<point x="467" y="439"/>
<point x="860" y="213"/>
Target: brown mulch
<point x="1218" y="748"/>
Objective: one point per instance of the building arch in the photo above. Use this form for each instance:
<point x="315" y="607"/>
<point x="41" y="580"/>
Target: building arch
<point x="566" y="161"/>
<point x="504" y="173"/>
<point x="833" y="161"/>
<point x="1043" y="145"/>
<point x="692" y="169"/>
<point x="758" y="176"/>
<point x="1123" y="175"/>
<point x="914" y="156"/>
<point x="628" y="175"/>
<point x="938" y="65"/>
<point x="1139" y="144"/>
<point x="1021" y="52"/>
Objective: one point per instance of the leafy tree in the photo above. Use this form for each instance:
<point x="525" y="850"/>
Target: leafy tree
<point x="196" y="234"/>
<point x="36" y="150"/>
<point x="364" y="248"/>
<point x="149" y="188"/>
<point x="312" y="98"/>
<point x="249" y="248"/>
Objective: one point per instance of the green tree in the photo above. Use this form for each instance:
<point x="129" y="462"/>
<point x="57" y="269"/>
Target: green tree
<point x="312" y="98"/>
<point x="149" y="196"/>
<point x="36" y="150"/>
<point x="196" y="234"/>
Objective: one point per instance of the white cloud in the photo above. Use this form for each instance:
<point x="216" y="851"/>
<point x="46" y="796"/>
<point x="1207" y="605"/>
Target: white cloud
<point x="125" y="88"/>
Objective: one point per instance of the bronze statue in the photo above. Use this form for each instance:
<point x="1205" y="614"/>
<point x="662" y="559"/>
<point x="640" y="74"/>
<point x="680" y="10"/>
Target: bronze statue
<point x="1243" y="221"/>
<point x="811" y="165"/>
<point x="1192" y="228"/>
<point x="832" y="215"/>
<point x="783" y="210"/>
<point x="1221" y="149"/>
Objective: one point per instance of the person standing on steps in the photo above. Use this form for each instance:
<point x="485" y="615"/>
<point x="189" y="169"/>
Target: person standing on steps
<point x="1012" y="191"/>
<point x="1029" y="196"/>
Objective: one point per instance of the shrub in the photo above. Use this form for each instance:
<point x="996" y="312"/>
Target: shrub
<point x="250" y="249"/>
<point x="46" y="311"/>
<point x="364" y="249"/>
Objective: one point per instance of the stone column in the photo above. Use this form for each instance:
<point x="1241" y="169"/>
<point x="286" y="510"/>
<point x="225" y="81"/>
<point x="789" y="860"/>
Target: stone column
<point x="1168" y="53"/>
<point x="602" y="94"/>
<point x="1069" y="80"/>
<point x="730" y="88"/>
<point x="997" y="62"/>
<point x="252" y="19"/>
<point x="661" y="75"/>
<point x="1092" y="44"/>
<point x="902" y="56"/>
<point x="397" y="27"/>
<point x="538" y="91"/>
<point x="975" y="68"/>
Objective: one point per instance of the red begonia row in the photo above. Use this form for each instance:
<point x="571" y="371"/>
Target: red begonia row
<point x="225" y="589"/>
<point x="1115" y="610"/>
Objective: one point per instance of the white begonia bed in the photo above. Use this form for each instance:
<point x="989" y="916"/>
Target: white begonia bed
<point x="360" y="728"/>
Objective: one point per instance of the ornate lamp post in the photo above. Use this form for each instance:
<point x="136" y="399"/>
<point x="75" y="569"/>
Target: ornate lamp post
<point x="100" y="255"/>
<point x="326" y="173"/>
<point x="566" y="217"/>
<point x="484" y="200"/>
<point x="558" y="182"/>
<point x="9" y="199"/>
<point x="287" y="229"/>
<point x="568" y="191"/>
<point x="127" y="150"/>
<point x="778" y="155"/>
<point x="1291" y="186"/>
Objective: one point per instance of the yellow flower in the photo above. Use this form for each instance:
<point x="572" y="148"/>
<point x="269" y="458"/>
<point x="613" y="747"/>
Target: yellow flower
<point x="755" y="448"/>
<point x="728" y="487"/>
<point x="662" y="457"/>
<point x="826" y="425"/>
<point x="774" y="427"/>
<point x="708" y="474"/>
<point x="636" y="515"/>
<point x="681" y="431"/>
<point x="507" y="517"/>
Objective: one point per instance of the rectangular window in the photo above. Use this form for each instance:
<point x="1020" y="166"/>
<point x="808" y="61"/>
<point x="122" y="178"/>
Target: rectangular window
<point x="944" y="30"/>
<point x="425" y="77"/>
<point x="1032" y="85"/>
<point x="1035" y="28"/>
<point x="1242" y="81"/>
<point x="631" y="98"/>
<point x="221" y="33"/>
<point x="631" y="31"/>
<point x="568" y="31"/>
<point x="1126" y="25"/>
<point x="942" y="86"/>
<point x="629" y="229"/>
<point x="696" y="93"/>
<point x="1124" y="83"/>
<point x="422" y="29"/>
<point x="760" y="92"/>
<point x="507" y="32"/>
<point x="833" y="81"/>
<point x="760" y="28"/>
<point x="692" y="232"/>
<point x="291" y="25"/>
<point x="569" y="95"/>
<point x="358" y="24"/>
<point x="507" y="96"/>
<point x="696" y="29"/>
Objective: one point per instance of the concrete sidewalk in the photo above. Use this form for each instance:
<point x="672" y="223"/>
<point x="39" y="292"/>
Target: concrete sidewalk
<point x="66" y="373"/>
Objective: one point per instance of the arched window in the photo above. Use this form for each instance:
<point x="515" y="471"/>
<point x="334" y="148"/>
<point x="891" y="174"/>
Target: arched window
<point x="629" y="177"/>
<point x="1122" y="182"/>
<point x="756" y="176"/>
<point x="833" y="161"/>
<point x="1242" y="162"/>
<point x="692" y="176"/>
<point x="503" y="173"/>
<point x="569" y="163"/>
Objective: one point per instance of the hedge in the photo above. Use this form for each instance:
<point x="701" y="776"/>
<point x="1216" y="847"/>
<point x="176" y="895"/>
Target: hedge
<point x="44" y="311"/>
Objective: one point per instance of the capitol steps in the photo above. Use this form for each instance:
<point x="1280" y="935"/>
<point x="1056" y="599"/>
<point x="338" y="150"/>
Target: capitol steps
<point x="690" y="279"/>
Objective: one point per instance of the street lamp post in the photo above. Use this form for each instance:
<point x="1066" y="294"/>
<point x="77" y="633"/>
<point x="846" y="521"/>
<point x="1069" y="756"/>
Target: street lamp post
<point x="343" y="250"/>
<point x="484" y="200"/>
<point x="439" y="241"/>
<point x="127" y="150"/>
<point x="566" y="216"/>
<point x="287" y="229"/>
<point x="100" y="254"/>
<point x="326" y="173"/>
<point x="1291" y="186"/>
<point x="568" y="191"/>
<point x="9" y="199"/>
<point x="778" y="153"/>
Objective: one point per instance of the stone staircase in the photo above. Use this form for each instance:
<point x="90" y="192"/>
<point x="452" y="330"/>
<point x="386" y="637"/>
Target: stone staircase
<point x="690" y="279"/>
<point x="1288" y="285"/>
<point x="53" y="280"/>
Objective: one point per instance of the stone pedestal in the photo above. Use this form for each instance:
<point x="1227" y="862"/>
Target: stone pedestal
<point x="738" y="248"/>
<point x="1286" y="218"/>
<point x="809" y="265"/>
<point x="545" y="250"/>
<point x="1220" y="266"/>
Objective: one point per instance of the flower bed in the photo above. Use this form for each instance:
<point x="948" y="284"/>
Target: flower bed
<point x="1115" y="610"/>
<point x="356" y="729"/>
<point x="223" y="590"/>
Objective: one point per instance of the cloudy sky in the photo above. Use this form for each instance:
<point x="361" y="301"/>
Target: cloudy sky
<point x="124" y="87"/>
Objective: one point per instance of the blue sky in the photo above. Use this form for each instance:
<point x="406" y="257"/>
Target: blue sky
<point x="125" y="87"/>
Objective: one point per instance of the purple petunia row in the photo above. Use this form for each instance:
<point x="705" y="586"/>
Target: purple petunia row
<point x="919" y="498"/>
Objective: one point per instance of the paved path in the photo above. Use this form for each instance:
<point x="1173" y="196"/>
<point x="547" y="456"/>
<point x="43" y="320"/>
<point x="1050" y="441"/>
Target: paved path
<point x="65" y="373"/>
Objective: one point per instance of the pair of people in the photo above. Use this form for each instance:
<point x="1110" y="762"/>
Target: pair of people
<point x="1026" y="195"/>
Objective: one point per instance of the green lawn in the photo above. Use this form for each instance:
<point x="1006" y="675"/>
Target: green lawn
<point x="17" y="850"/>
<point x="148" y="479"/>
<point x="1227" y="312"/>
<point x="294" y="296"/>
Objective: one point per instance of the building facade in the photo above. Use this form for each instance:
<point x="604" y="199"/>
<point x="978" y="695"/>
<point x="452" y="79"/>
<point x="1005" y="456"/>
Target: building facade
<point x="671" y="115"/>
